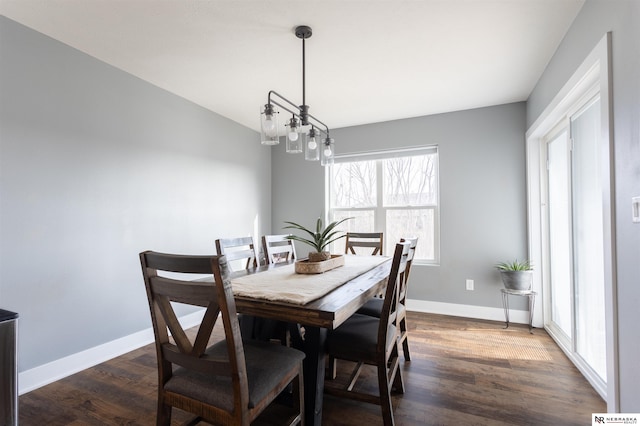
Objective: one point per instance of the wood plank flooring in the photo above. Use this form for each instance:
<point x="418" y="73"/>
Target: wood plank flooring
<point x="462" y="372"/>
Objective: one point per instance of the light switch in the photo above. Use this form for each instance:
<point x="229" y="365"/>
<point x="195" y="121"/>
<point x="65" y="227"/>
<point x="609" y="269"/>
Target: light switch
<point x="635" y="205"/>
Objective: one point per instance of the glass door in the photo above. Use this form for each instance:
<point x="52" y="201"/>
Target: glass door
<point x="588" y="226"/>
<point x="560" y="247"/>
<point x="575" y="236"/>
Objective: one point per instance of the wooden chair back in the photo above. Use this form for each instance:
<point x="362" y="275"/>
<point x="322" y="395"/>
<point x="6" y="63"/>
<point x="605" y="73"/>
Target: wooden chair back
<point x="392" y="296"/>
<point x="355" y="338"/>
<point x="368" y="240"/>
<point x="278" y="248"/>
<point x="237" y="249"/>
<point x="413" y="242"/>
<point x="217" y="298"/>
<point x="215" y="369"/>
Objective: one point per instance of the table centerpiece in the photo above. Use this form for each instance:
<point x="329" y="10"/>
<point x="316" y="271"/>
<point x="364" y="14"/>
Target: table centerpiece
<point x="320" y="260"/>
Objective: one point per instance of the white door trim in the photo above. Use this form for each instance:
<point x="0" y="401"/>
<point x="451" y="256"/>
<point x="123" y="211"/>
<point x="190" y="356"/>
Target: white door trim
<point x="596" y="69"/>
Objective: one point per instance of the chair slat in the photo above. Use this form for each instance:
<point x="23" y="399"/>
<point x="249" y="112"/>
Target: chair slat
<point x="171" y="322"/>
<point x="189" y="292"/>
<point x="238" y="249"/>
<point x="179" y="263"/>
<point x="278" y="248"/>
<point x="205" y="329"/>
<point x="364" y="240"/>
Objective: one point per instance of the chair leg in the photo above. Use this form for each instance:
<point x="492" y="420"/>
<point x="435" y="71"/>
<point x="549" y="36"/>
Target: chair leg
<point x="405" y="349"/>
<point x="163" y="417"/>
<point x="405" y="339"/>
<point x="298" y="389"/>
<point x="385" y="396"/>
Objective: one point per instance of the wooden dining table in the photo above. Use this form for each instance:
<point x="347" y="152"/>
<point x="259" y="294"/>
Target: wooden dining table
<point x="317" y="317"/>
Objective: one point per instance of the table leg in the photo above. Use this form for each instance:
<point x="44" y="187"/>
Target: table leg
<point x="505" y="306"/>
<point x="314" y="349"/>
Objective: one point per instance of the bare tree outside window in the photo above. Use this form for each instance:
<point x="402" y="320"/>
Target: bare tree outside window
<point x="410" y="181"/>
<point x="354" y="184"/>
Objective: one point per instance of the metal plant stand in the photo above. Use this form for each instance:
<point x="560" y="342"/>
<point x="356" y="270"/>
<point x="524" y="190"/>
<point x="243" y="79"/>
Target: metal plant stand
<point x="505" y="303"/>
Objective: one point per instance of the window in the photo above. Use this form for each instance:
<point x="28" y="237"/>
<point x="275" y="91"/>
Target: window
<point x="392" y="192"/>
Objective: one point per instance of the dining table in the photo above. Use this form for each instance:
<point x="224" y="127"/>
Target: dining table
<point x="341" y="292"/>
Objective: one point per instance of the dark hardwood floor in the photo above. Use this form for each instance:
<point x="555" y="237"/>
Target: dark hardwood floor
<point x="462" y="372"/>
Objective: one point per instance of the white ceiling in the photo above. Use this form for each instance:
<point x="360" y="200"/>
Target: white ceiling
<point x="367" y="61"/>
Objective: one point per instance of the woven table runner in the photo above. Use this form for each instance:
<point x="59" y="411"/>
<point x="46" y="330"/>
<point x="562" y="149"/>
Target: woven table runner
<point x="283" y="284"/>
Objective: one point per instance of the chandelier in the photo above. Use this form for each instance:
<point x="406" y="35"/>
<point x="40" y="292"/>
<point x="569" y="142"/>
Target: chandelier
<point x="303" y="129"/>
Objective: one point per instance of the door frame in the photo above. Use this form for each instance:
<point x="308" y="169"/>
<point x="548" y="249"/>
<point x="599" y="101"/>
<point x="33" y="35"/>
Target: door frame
<point x="595" y="70"/>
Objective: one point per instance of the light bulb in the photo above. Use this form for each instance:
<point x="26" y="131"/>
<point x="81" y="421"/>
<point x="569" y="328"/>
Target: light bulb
<point x="327" y="151"/>
<point x="269" y="126"/>
<point x="293" y="136"/>
<point x="312" y="143"/>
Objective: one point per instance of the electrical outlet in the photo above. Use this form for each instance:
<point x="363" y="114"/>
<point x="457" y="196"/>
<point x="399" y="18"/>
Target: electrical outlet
<point x="469" y="284"/>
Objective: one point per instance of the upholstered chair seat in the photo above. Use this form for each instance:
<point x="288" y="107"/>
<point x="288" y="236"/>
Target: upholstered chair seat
<point x="264" y="363"/>
<point x="357" y="338"/>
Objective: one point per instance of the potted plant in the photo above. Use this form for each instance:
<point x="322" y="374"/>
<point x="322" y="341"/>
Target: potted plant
<point x="320" y="238"/>
<point x="516" y="275"/>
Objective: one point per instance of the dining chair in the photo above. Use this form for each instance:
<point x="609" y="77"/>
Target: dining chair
<point x="278" y="248"/>
<point x="229" y="382"/>
<point x="355" y="243"/>
<point x="374" y="341"/>
<point x="373" y="307"/>
<point x="364" y="240"/>
<point x="240" y="252"/>
<point x="243" y="251"/>
<point x="236" y="249"/>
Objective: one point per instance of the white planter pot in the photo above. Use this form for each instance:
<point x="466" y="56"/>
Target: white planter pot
<point x="517" y="280"/>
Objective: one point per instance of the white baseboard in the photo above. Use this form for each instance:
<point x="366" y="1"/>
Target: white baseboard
<point x="55" y="370"/>
<point x="44" y="374"/>
<point x="467" y="311"/>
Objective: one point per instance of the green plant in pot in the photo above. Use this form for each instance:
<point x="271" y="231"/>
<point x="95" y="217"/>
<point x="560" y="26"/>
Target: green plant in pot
<point x="516" y="275"/>
<point x="319" y="239"/>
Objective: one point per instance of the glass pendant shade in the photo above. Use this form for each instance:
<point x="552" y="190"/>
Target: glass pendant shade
<point x="327" y="152"/>
<point x="312" y="146"/>
<point x="269" y="125"/>
<point x="294" y="139"/>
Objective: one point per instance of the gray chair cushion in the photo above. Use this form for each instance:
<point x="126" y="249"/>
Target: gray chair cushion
<point x="373" y="308"/>
<point x="266" y="364"/>
<point x="356" y="338"/>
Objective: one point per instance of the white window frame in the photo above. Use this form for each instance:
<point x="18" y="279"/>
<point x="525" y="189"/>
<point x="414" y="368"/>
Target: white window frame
<point x="380" y="210"/>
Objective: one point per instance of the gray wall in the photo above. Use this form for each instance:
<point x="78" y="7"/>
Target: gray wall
<point x="622" y="17"/>
<point x="482" y="194"/>
<point x="96" y="166"/>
